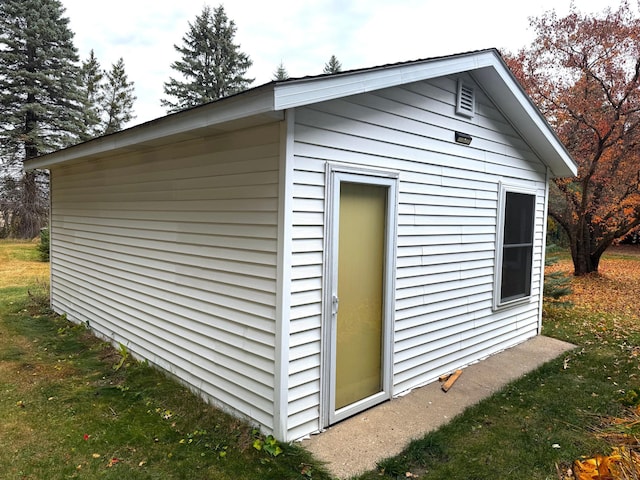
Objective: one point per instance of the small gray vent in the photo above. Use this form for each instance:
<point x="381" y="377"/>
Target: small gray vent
<point x="466" y="101"/>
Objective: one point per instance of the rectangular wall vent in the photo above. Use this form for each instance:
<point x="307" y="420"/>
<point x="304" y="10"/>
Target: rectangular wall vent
<point x="466" y="101"/>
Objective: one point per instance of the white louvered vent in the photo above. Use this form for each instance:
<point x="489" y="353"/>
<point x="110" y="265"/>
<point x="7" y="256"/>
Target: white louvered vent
<point x="466" y="101"/>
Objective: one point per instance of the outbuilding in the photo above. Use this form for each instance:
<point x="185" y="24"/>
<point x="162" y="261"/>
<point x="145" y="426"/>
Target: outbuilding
<point x="307" y="249"/>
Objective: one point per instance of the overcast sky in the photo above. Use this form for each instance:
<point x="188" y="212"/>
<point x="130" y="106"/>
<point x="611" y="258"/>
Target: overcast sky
<point x="303" y="34"/>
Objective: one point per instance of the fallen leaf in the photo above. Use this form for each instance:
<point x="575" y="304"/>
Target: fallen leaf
<point x="596" y="468"/>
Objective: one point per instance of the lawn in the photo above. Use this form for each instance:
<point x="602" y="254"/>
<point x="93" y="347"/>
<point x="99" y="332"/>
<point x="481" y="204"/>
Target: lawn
<point x="579" y="406"/>
<point x="19" y="265"/>
<point x="71" y="406"/>
<point x="74" y="407"/>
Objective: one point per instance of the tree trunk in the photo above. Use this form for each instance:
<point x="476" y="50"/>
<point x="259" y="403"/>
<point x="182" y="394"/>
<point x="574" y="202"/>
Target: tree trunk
<point x="584" y="250"/>
<point x="30" y="215"/>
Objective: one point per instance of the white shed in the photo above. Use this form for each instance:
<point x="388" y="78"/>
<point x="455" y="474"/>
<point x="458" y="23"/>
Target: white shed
<point x="310" y="248"/>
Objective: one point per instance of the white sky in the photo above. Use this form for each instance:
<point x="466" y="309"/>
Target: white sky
<point x="303" y="34"/>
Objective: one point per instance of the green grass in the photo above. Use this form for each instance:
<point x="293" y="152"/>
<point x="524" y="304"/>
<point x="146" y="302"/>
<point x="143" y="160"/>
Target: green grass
<point x="67" y="411"/>
<point x="539" y="424"/>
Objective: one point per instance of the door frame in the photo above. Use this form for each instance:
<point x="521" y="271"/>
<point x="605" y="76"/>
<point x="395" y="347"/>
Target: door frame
<point x="335" y="175"/>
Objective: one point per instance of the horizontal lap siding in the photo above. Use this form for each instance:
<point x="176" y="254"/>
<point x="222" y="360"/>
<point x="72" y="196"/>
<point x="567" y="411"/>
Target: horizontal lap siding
<point x="447" y="215"/>
<point x="173" y="254"/>
<point x="306" y="300"/>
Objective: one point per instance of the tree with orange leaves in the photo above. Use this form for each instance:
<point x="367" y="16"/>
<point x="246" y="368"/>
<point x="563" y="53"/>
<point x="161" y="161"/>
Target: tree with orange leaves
<point x="583" y="72"/>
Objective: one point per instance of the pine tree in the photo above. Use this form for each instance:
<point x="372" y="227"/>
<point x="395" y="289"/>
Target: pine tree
<point x="211" y="63"/>
<point x="40" y="103"/>
<point x="91" y="78"/>
<point x="118" y="99"/>
<point x="281" y="73"/>
<point x="107" y="98"/>
<point x="332" y="66"/>
<point x="557" y="284"/>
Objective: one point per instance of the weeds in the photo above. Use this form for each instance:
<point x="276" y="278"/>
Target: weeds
<point x="268" y="444"/>
<point x="124" y="355"/>
<point x="38" y="298"/>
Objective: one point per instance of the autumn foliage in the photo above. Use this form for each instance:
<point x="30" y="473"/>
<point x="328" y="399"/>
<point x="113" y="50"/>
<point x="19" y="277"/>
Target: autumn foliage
<point x="583" y="72"/>
<point x="614" y="291"/>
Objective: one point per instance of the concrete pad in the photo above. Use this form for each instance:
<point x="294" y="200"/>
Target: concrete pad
<point x="356" y="444"/>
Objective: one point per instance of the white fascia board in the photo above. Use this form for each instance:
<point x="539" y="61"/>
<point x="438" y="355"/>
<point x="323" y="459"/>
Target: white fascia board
<point x="182" y="125"/>
<point x="509" y="96"/>
<point x="302" y="92"/>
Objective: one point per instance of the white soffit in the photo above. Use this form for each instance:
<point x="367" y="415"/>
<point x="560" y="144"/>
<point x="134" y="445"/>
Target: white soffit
<point x="250" y="108"/>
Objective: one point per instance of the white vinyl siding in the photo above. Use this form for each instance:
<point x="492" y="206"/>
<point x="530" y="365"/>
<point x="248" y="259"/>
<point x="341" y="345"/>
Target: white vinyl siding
<point x="306" y="301"/>
<point x="172" y="252"/>
<point x="447" y="220"/>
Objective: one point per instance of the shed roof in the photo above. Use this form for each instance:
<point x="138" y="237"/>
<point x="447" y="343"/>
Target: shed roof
<point x="268" y="102"/>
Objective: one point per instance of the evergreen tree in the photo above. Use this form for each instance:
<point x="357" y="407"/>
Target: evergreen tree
<point x="332" y="66"/>
<point x="557" y="284"/>
<point x="118" y="99"/>
<point x="211" y="63"/>
<point x="9" y="195"/>
<point x="281" y="73"/>
<point x="40" y="103"/>
<point x="107" y="98"/>
<point x="91" y="78"/>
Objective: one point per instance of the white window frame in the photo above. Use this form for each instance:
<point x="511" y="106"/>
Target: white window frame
<point x="505" y="189"/>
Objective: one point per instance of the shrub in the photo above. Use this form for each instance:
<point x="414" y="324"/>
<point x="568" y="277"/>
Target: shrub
<point x="556" y="284"/>
<point x="44" y="245"/>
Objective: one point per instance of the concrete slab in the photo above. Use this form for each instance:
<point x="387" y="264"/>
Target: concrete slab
<point x="356" y="444"/>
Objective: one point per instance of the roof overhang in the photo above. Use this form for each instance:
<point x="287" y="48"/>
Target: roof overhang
<point x="252" y="108"/>
<point x="268" y="103"/>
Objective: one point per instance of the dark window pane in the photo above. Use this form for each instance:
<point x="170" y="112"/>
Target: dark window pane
<point x="517" y="249"/>
<point x="516" y="273"/>
<point x="518" y="219"/>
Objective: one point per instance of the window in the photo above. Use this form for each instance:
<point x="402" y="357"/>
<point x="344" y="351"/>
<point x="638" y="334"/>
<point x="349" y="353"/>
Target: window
<point x="515" y="247"/>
